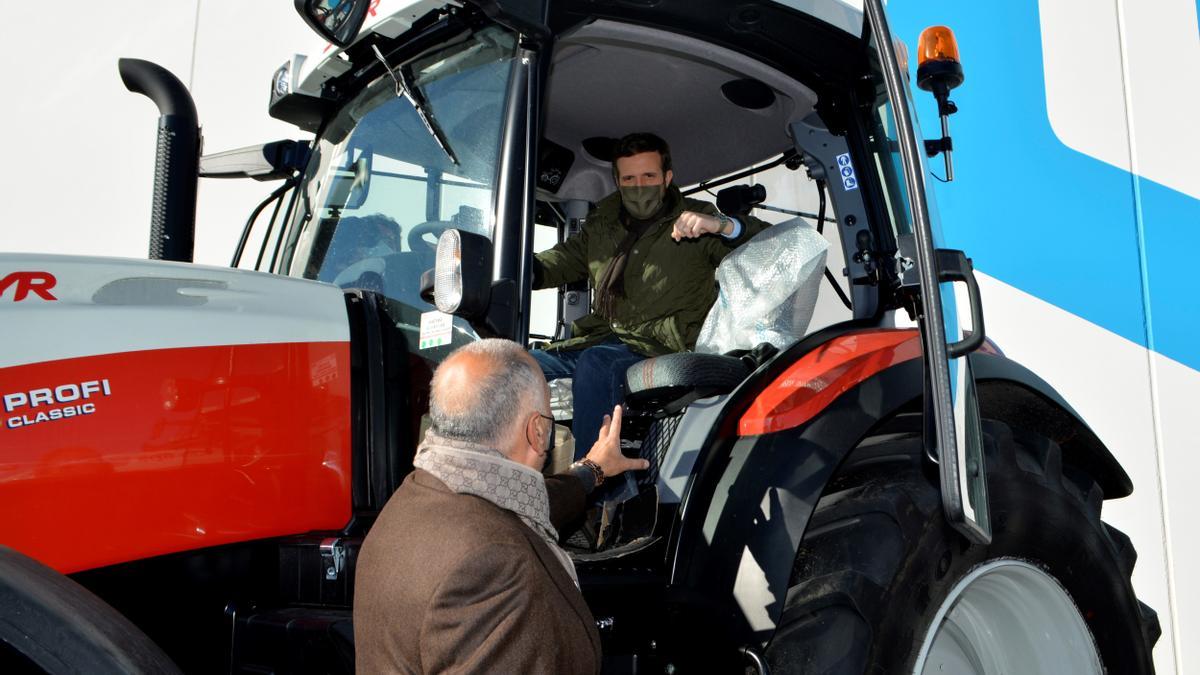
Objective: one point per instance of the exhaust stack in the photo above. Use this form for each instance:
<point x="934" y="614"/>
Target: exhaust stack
<point x="176" y="163"/>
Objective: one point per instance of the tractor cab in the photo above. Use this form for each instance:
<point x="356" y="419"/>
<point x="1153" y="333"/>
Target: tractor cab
<point x="455" y="140"/>
<point x="497" y="127"/>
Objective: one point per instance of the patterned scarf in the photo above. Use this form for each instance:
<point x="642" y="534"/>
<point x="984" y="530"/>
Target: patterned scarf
<point x="473" y="469"/>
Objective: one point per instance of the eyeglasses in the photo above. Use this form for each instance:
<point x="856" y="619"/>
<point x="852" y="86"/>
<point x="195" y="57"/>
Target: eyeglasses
<point x="550" y="441"/>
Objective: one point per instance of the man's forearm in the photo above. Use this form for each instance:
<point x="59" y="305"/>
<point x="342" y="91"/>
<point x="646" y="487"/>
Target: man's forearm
<point x="567" y="493"/>
<point x="587" y="476"/>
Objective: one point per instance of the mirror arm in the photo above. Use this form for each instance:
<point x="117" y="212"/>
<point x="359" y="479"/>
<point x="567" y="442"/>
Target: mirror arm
<point x="426" y="291"/>
<point x="498" y="321"/>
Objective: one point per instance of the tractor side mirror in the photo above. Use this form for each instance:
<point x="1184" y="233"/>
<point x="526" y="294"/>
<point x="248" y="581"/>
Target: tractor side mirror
<point x="351" y="184"/>
<point x="338" y="21"/>
<point x="461" y="284"/>
<point x="267" y="161"/>
<point x="939" y="70"/>
<point x="462" y="274"/>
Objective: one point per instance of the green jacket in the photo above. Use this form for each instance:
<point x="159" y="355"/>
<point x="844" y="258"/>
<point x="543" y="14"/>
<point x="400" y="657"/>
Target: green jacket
<point x="669" y="285"/>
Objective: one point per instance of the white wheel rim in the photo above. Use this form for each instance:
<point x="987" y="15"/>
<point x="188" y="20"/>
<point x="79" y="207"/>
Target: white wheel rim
<point x="1008" y="616"/>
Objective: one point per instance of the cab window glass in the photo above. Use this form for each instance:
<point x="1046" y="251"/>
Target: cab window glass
<point x="406" y="159"/>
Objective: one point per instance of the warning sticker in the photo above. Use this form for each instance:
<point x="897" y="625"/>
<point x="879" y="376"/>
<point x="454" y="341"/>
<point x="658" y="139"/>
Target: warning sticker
<point x="435" y="329"/>
<point x="846" y="169"/>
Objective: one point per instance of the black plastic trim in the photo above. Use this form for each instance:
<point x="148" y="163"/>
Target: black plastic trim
<point x="1011" y="393"/>
<point x="523" y="16"/>
<point x="714" y="452"/>
<point x="379" y="399"/>
<point x="789" y="470"/>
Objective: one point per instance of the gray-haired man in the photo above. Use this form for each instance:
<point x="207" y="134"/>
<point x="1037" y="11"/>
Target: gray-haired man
<point x="462" y="571"/>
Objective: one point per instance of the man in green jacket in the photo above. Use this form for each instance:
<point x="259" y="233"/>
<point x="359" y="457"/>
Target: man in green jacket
<point x="651" y="255"/>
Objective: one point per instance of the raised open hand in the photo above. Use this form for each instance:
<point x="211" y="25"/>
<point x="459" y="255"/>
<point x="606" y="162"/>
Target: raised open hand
<point x="606" y="453"/>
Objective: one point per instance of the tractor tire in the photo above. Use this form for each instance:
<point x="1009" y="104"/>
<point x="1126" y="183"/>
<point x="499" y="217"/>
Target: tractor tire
<point x="879" y="567"/>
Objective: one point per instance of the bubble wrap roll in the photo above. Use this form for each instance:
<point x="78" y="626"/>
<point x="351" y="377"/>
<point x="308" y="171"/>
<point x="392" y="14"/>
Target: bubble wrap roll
<point x="562" y="403"/>
<point x="769" y="289"/>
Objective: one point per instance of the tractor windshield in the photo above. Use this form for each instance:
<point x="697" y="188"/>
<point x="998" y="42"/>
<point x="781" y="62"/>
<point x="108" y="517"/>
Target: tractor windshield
<point x="413" y="154"/>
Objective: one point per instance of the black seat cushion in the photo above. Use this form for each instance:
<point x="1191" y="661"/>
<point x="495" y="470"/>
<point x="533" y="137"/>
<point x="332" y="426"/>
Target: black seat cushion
<point x="662" y="380"/>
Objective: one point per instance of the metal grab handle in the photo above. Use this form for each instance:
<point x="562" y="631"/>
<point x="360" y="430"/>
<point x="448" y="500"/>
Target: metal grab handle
<point x="954" y="265"/>
<point x="754" y="661"/>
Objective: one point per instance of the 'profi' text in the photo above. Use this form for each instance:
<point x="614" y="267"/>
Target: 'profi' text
<point x="63" y="393"/>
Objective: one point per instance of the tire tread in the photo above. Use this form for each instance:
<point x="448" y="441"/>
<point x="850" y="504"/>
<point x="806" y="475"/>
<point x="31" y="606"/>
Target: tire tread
<point x="877" y="554"/>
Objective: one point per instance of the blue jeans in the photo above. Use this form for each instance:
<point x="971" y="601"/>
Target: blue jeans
<point x="597" y="385"/>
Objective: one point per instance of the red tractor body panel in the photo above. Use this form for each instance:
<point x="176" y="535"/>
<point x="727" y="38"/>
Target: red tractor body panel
<point x="112" y="457"/>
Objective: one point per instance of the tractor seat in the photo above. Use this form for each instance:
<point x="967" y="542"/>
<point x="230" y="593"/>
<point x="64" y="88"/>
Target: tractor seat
<point x="669" y="383"/>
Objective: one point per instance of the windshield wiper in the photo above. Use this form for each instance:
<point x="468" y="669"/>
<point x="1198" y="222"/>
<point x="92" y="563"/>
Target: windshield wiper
<point x="412" y="93"/>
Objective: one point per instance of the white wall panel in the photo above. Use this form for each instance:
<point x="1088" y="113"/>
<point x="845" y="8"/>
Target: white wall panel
<point x="1178" y="396"/>
<point x="1085" y="96"/>
<point x="79" y="147"/>
<point x="238" y="47"/>
<point x="1162" y="45"/>
<point x="1106" y="379"/>
<point x="1112" y="65"/>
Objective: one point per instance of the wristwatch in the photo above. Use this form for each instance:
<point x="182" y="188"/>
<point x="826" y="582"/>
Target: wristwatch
<point x="724" y="221"/>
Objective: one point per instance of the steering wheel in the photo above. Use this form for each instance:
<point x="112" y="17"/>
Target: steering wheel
<point x="366" y="273"/>
<point x="418" y="234"/>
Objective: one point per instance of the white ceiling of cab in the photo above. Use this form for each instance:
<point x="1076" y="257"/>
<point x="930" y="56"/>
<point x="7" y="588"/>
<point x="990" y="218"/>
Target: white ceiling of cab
<point x="610" y="79"/>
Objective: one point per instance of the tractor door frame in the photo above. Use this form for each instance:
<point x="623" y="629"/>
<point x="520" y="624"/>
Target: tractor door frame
<point x="951" y="407"/>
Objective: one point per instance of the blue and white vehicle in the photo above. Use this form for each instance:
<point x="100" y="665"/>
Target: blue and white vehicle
<point x="1076" y="194"/>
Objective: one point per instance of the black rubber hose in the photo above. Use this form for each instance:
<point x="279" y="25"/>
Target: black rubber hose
<point x="276" y="196"/>
<point x="820" y="229"/>
<point x="176" y="162"/>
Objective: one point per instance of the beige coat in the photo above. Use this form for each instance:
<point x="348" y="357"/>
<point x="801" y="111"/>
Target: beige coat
<point x="451" y="583"/>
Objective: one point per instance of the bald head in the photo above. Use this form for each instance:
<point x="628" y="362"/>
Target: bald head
<point x="483" y="390"/>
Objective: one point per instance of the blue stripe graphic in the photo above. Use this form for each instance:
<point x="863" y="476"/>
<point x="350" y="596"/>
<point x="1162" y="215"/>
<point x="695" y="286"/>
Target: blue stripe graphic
<point x="1043" y="217"/>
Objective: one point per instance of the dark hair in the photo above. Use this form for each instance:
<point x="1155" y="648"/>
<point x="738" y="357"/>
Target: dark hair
<point x="637" y="143"/>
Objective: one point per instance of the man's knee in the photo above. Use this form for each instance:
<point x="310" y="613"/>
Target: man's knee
<point x="596" y="361"/>
<point x="605" y="365"/>
<point x="543" y="359"/>
<point x="552" y="366"/>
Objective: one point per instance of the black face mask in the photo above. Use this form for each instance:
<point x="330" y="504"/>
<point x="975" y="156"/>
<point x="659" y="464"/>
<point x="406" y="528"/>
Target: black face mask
<point x="642" y="201"/>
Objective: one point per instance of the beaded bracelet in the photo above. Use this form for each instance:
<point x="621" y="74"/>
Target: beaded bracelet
<point x="595" y="469"/>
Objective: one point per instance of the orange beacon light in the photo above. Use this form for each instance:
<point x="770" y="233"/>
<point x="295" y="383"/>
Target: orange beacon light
<point x="938" y="64"/>
<point x="939" y="70"/>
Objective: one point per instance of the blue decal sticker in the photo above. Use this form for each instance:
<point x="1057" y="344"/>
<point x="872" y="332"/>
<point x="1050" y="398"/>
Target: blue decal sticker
<point x="849" y="180"/>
